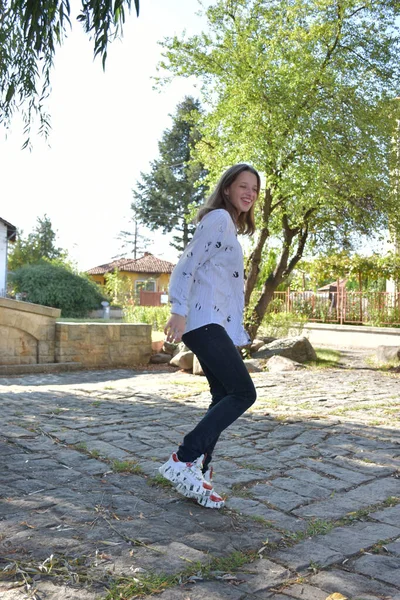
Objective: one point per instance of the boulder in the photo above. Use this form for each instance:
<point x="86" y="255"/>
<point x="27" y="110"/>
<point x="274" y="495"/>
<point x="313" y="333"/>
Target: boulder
<point x="169" y="348"/>
<point x="254" y="365"/>
<point x="298" y="349"/>
<point x="386" y="354"/>
<point x="197" y="370"/>
<point x="268" y="340"/>
<point x="160" y="358"/>
<point x="183" y="360"/>
<point x="276" y="364"/>
<point x="256" y="345"/>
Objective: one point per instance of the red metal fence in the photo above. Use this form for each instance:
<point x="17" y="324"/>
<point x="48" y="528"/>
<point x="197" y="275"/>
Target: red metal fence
<point x="372" y="308"/>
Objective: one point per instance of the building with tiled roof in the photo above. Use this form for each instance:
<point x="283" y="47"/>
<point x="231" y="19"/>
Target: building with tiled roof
<point x="8" y="233"/>
<point x="148" y="272"/>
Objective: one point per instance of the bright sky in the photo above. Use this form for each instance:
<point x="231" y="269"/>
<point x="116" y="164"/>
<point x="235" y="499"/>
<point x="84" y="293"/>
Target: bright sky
<point x="105" y="130"/>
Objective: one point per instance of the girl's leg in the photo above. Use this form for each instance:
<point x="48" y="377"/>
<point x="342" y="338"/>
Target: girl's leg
<point x="218" y="392"/>
<point x="216" y="351"/>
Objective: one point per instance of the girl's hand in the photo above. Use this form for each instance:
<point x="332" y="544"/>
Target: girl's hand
<point x="174" y="328"/>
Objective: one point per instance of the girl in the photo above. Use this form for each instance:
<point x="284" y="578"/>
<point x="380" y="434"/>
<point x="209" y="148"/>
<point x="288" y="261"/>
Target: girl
<point x="207" y="300"/>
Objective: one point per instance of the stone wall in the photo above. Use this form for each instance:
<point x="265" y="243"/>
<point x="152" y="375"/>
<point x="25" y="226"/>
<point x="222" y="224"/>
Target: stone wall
<point x="27" y="333"/>
<point x="103" y="344"/>
<point x="351" y="336"/>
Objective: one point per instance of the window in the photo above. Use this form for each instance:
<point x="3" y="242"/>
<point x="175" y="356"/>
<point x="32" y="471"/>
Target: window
<point x="148" y="285"/>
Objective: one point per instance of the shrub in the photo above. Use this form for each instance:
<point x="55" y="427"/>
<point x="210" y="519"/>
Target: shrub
<point x="280" y="324"/>
<point x="58" y="287"/>
<point x="156" y="316"/>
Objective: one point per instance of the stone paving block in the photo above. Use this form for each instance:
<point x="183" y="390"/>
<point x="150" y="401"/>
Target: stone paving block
<point x="303" y="591"/>
<point x="363" y="467"/>
<point x="390" y="515"/>
<point x="52" y="591"/>
<point x="238" y="476"/>
<point x="14" y="432"/>
<point x="305" y="475"/>
<point x="343" y="503"/>
<point x="348" y="476"/>
<point x="282" y="499"/>
<point x="272" y="467"/>
<point x="202" y="590"/>
<point x="274" y="517"/>
<point x="6" y="449"/>
<point x="376" y="491"/>
<point x="352" y="585"/>
<point x="262" y="575"/>
<point x="394" y="547"/>
<point x="383" y="568"/>
<point x="297" y="451"/>
<point x="312" y="437"/>
<point x="302" y="488"/>
<point x="352" y="539"/>
<point x="300" y="556"/>
<point x="286" y="431"/>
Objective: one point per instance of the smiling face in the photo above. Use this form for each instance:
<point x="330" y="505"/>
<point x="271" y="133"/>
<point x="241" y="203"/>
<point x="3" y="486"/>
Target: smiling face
<point x="243" y="192"/>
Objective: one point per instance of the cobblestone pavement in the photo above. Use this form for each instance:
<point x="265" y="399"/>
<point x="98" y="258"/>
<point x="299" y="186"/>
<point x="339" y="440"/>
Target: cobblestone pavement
<point x="311" y="476"/>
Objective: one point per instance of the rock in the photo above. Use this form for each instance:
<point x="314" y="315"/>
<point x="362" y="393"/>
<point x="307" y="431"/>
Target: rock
<point x="254" y="365"/>
<point x="298" y="349"/>
<point x="277" y="364"/>
<point x="160" y="358"/>
<point x="256" y="345"/>
<point x="385" y="354"/>
<point x="268" y="340"/>
<point x="169" y="348"/>
<point x="197" y="370"/>
<point x="183" y="360"/>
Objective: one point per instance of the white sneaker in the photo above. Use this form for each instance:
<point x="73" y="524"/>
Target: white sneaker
<point x="186" y="475"/>
<point x="214" y="500"/>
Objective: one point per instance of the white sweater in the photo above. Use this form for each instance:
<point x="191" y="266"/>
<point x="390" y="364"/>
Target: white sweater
<point x="207" y="284"/>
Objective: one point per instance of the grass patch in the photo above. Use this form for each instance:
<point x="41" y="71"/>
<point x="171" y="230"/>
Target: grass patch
<point x="80" y="446"/>
<point x="315" y="527"/>
<point x="326" y="359"/>
<point x="146" y="584"/>
<point x="126" y="466"/>
<point x="159" y="480"/>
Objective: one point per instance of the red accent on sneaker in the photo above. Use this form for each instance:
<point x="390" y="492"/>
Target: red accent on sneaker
<point x="215" y="498"/>
<point x="175" y="457"/>
<point x="207" y="486"/>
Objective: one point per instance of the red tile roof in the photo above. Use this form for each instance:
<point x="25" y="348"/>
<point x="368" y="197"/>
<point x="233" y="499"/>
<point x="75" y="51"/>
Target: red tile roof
<point x="146" y="264"/>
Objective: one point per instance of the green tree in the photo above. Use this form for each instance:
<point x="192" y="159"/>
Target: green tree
<point x="37" y="246"/>
<point x="164" y="197"/>
<point x="56" y="286"/>
<point x="29" y="35"/>
<point x="305" y="91"/>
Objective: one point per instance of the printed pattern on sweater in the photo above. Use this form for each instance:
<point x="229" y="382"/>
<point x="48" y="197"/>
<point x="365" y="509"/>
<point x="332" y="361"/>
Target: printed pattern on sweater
<point x="207" y="284"/>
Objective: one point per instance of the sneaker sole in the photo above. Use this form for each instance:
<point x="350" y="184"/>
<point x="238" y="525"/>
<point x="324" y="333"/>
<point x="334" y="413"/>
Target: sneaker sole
<point x="205" y="501"/>
<point x="193" y="489"/>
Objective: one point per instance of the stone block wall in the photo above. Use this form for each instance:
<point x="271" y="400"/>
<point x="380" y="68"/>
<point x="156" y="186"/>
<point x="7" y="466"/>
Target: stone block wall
<point x="27" y="333"/>
<point x="103" y="344"/>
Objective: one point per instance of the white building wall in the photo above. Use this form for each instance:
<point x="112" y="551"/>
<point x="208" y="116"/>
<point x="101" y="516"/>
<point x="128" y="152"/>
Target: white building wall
<point x="3" y="259"/>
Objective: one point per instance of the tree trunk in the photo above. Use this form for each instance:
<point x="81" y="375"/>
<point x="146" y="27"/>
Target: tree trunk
<point x="283" y="269"/>
<point x="253" y="263"/>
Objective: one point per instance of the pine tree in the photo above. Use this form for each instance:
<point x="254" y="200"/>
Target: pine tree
<point x="164" y="196"/>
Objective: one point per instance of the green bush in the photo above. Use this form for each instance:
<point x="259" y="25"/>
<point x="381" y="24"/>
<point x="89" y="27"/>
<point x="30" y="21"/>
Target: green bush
<point x="58" y="287"/>
<point x="156" y="316"/>
<point x="279" y="324"/>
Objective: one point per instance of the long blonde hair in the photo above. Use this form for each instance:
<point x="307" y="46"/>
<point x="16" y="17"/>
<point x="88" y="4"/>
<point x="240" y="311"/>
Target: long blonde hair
<point x="219" y="199"/>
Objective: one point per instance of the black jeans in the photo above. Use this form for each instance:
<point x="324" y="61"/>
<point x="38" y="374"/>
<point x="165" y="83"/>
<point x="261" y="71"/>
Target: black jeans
<point x="232" y="389"/>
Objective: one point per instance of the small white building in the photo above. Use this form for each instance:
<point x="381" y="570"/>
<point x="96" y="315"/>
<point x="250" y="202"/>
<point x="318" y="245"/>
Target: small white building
<point x="8" y="233"/>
